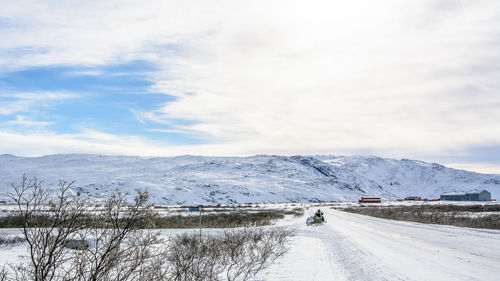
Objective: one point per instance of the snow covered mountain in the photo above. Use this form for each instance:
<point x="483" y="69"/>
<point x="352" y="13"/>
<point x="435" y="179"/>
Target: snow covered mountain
<point x="261" y="178"/>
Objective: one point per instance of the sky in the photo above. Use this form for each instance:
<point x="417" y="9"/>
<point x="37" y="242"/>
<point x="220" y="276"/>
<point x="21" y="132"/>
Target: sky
<point x="411" y="79"/>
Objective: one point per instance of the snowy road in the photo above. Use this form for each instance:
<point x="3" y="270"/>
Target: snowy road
<point x="356" y="247"/>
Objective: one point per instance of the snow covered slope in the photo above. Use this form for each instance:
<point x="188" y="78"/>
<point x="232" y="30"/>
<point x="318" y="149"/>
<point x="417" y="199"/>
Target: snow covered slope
<point x="410" y="177"/>
<point x="262" y="178"/>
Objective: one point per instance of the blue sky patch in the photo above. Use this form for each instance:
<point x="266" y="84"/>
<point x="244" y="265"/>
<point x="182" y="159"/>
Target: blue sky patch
<point x="106" y="99"/>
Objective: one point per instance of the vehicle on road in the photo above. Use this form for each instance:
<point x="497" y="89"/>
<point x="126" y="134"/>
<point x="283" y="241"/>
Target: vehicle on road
<point x="318" y="218"/>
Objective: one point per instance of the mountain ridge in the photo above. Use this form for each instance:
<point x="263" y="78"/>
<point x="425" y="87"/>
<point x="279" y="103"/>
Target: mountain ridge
<point x="191" y="179"/>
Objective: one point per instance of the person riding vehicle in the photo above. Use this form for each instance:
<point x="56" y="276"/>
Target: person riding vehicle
<point x="318" y="216"/>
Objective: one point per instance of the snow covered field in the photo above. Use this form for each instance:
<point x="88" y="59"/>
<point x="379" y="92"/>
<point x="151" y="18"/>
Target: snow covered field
<point x="355" y="247"/>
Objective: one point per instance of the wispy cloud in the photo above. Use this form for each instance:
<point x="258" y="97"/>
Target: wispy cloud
<point x="172" y="131"/>
<point x="93" y="141"/>
<point x="486" y="168"/>
<point x="12" y="103"/>
<point x="344" y="76"/>
<point x="20" y="120"/>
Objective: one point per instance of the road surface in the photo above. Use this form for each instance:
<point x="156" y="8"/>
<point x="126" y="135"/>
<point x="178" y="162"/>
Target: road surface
<point x="357" y="247"/>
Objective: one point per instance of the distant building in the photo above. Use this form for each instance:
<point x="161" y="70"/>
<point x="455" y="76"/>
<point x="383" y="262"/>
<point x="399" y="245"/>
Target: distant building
<point x="371" y="199"/>
<point x="478" y="195"/>
<point x="473" y="195"/>
<point x="453" y="196"/>
<point x="413" y="198"/>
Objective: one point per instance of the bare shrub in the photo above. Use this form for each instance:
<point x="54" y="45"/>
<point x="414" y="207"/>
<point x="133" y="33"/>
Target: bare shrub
<point x="229" y="255"/>
<point x="192" y="257"/>
<point x="50" y="221"/>
<point x="231" y="219"/>
<point x="119" y="244"/>
<point x="61" y="216"/>
<point x="11" y="240"/>
<point x="440" y="214"/>
<point x="249" y="251"/>
<point x="4" y="274"/>
<point x="235" y="218"/>
<point x="11" y="221"/>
